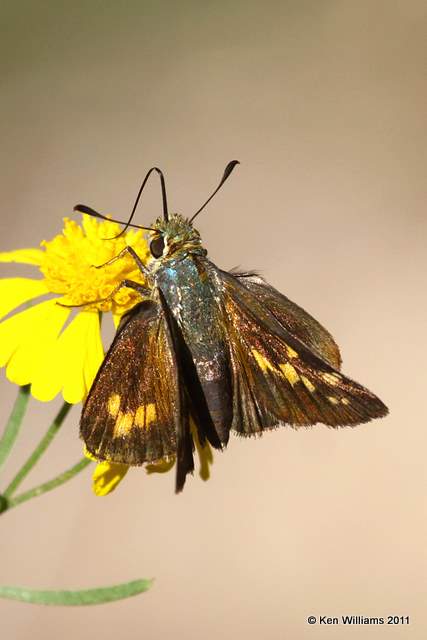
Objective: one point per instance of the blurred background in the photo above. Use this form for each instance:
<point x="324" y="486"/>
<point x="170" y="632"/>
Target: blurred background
<point x="324" y="104"/>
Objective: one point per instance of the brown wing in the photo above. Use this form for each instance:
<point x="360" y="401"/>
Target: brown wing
<point x="294" y="319"/>
<point x="277" y="379"/>
<point x="134" y="409"/>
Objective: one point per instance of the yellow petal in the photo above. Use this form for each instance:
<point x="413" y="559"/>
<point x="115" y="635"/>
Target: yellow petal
<point x="23" y="256"/>
<point x="89" y="455"/>
<point x="12" y="332"/>
<point x="75" y="348"/>
<point x="116" y="319"/>
<point x="47" y="381"/>
<point x="161" y="466"/>
<point x="204" y="453"/>
<point x="71" y="362"/>
<point x="26" y="337"/>
<point x="16" y="291"/>
<point x="107" y="476"/>
<point x="95" y="350"/>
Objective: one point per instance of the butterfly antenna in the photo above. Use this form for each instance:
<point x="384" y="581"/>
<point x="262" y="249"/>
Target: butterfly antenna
<point x="164" y="199"/>
<point x="228" y="169"/>
<point x="82" y="208"/>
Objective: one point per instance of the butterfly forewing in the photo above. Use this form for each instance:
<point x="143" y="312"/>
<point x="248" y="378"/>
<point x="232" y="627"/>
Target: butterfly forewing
<point x="134" y="409"/>
<point x="277" y="379"/>
<point x="294" y="319"/>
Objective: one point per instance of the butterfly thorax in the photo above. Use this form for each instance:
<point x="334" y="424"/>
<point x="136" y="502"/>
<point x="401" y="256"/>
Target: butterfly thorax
<point x="187" y="287"/>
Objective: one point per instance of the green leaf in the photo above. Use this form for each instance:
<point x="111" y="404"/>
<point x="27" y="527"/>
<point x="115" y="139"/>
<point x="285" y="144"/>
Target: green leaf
<point x="77" y="598"/>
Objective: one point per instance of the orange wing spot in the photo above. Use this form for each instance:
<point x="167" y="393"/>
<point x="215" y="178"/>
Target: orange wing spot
<point x="333" y="400"/>
<point x="114" y="404"/>
<point x="145" y="415"/>
<point x="345" y="401"/>
<point x="291" y="352"/>
<point x="262" y="362"/>
<point x="306" y="382"/>
<point x="290" y="373"/>
<point x="123" y="424"/>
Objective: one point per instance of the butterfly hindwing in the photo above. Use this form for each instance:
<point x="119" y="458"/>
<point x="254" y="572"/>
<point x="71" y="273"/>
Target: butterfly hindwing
<point x="134" y="410"/>
<point x="277" y="379"/>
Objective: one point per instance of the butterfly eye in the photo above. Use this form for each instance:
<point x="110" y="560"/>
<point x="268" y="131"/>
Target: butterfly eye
<point x="157" y="246"/>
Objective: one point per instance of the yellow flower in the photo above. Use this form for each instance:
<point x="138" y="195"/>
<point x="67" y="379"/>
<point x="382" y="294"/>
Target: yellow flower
<point x="54" y="348"/>
<point x="49" y="346"/>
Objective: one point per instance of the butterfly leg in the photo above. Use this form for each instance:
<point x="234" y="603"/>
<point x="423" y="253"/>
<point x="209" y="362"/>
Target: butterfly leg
<point x="123" y="252"/>
<point x="130" y="284"/>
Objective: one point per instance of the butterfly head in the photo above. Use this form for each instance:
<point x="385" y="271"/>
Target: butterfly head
<point x="174" y="238"/>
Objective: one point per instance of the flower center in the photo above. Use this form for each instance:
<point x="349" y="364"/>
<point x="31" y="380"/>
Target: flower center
<point x="69" y="261"/>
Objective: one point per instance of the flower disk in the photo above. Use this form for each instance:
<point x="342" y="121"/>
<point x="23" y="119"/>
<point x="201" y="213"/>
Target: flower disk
<point x="69" y="260"/>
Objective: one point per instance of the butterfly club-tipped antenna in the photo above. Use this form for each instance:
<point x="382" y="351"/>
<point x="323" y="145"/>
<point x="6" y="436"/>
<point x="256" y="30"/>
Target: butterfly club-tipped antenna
<point x="85" y="209"/>
<point x="228" y="169"/>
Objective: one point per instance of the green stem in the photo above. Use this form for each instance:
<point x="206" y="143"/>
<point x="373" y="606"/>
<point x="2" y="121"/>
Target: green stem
<point x="49" y="485"/>
<point x="38" y="451"/>
<point x="14" y="423"/>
